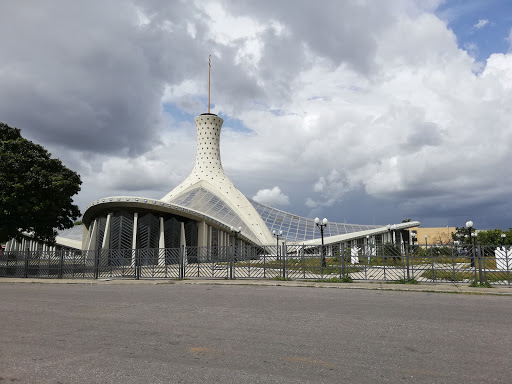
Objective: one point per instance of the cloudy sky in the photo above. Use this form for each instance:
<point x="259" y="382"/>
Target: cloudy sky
<point x="360" y="111"/>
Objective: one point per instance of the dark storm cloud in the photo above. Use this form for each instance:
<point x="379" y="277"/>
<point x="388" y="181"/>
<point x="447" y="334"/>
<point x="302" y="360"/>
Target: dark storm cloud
<point x="85" y="75"/>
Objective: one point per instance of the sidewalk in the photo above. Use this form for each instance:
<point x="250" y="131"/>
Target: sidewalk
<point x="436" y="288"/>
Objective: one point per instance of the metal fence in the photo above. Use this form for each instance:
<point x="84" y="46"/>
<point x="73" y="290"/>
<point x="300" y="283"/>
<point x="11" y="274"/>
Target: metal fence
<point x="384" y="262"/>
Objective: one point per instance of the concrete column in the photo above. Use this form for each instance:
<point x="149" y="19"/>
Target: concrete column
<point x="134" y="236"/>
<point x="202" y="234"/>
<point x="161" y="243"/>
<point x="134" y="233"/>
<point x="106" y="237"/>
<point x="183" y="238"/>
<point x="93" y="233"/>
<point x="8" y="246"/>
<point x="105" y="244"/>
<point x="85" y="236"/>
<point x="183" y="242"/>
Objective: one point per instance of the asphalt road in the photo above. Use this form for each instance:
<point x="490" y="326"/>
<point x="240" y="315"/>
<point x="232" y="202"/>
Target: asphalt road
<point x="58" y="333"/>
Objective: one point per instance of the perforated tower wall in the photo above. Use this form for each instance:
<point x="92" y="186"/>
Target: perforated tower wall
<point x="209" y="174"/>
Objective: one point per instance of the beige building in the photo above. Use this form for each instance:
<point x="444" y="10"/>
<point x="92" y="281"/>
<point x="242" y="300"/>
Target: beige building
<point x="436" y="235"/>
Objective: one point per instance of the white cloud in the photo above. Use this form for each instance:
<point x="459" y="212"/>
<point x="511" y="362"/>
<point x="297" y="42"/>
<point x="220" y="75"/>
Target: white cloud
<point x="272" y="197"/>
<point x="331" y="189"/>
<point x="481" y="23"/>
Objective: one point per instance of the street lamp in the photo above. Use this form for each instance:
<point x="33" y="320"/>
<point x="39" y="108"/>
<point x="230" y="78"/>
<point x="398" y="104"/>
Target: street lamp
<point x="413" y="237"/>
<point x="322" y="224"/>
<point x="469" y="226"/>
<point x="277" y="235"/>
<point x="503" y="238"/>
<point x="426" y="245"/>
<point x="474" y="235"/>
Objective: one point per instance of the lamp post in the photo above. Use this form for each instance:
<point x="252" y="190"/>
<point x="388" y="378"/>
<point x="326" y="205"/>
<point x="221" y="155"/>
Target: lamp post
<point x="426" y="244"/>
<point x="322" y="224"/>
<point x="277" y="235"/>
<point x="469" y="226"/>
<point x="503" y="236"/>
<point x="474" y="235"/>
<point x="413" y="237"/>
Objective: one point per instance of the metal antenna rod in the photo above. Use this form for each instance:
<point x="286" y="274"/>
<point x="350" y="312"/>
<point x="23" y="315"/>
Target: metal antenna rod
<point x="209" y="70"/>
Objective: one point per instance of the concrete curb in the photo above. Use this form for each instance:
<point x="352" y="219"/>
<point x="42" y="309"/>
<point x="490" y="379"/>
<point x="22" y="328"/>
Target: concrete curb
<point x="381" y="286"/>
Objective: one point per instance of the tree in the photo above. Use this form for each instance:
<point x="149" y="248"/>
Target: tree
<point x="35" y="190"/>
<point x="461" y="235"/>
<point x="493" y="237"/>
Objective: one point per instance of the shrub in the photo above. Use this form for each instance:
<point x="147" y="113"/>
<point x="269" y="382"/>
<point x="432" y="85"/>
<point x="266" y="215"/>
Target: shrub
<point x="485" y="284"/>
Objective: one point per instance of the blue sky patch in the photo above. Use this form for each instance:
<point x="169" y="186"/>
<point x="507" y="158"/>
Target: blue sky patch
<point x="177" y="113"/>
<point x="481" y="26"/>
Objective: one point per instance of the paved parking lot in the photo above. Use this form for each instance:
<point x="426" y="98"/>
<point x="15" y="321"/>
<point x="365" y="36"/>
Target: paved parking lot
<point x="191" y="333"/>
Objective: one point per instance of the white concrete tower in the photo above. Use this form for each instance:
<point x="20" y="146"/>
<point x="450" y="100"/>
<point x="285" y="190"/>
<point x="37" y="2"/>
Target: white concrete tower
<point x="209" y="174"/>
<point x="208" y="165"/>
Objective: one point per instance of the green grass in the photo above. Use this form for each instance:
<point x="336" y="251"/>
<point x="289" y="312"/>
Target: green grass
<point x="281" y="278"/>
<point x="309" y="265"/>
<point x="461" y="276"/>
<point x="403" y="281"/>
<point x="344" y="279"/>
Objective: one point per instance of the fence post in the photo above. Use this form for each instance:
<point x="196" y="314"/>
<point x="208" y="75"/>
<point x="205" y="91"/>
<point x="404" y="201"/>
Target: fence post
<point x="61" y="263"/>
<point x="433" y="267"/>
<point x="343" y="267"/>
<point x="26" y="264"/>
<point x="508" y="266"/>
<point x="480" y="275"/>
<point x="180" y="262"/>
<point x="284" y="254"/>
<point x="303" y="261"/>
<point x="453" y="265"/>
<point x="232" y="249"/>
<point x="265" y="264"/>
<point x="96" y="263"/>
<point x="198" y="259"/>
<point x="484" y="261"/>
<point x="473" y="261"/>
<point x="384" y="258"/>
<point x="321" y="261"/>
<point x="407" y="261"/>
